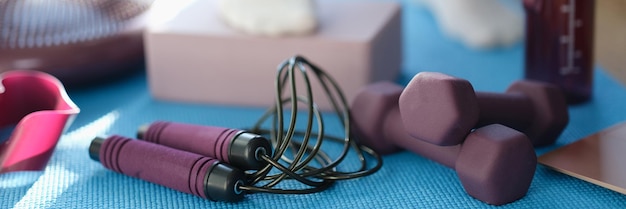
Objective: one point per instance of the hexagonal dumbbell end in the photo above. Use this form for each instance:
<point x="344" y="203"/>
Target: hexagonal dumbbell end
<point x="369" y="111"/>
<point x="550" y="110"/>
<point x="439" y="108"/>
<point x="496" y="164"/>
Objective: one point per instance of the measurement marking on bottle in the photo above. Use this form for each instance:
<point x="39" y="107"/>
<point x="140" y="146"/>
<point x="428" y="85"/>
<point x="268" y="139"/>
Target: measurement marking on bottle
<point x="569" y="40"/>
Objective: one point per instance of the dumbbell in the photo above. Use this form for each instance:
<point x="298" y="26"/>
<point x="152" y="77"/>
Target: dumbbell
<point x="453" y="109"/>
<point x="495" y="164"/>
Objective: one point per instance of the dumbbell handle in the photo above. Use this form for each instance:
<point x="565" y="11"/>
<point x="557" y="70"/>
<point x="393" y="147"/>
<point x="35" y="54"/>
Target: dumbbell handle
<point x="394" y="131"/>
<point x="512" y="109"/>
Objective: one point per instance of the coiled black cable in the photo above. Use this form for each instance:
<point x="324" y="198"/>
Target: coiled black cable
<point x="305" y="152"/>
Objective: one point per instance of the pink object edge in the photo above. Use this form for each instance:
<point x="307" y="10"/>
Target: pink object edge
<point x="39" y="106"/>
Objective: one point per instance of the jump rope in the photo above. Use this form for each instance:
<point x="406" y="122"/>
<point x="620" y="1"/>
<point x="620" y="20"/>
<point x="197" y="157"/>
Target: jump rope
<point x="224" y="164"/>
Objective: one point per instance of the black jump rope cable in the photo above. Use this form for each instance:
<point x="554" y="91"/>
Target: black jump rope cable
<point x="297" y="160"/>
<point x="304" y="151"/>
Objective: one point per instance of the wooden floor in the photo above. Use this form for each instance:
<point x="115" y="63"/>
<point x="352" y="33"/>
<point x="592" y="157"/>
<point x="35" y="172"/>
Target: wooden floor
<point x="610" y="37"/>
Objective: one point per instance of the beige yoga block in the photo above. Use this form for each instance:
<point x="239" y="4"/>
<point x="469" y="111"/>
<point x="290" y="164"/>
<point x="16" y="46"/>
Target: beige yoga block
<point x="192" y="56"/>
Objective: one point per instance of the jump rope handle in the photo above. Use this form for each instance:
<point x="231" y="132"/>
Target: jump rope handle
<point x="235" y="147"/>
<point x="176" y="169"/>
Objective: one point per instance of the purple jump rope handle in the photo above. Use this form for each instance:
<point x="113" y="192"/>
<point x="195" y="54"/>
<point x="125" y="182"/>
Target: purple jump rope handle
<point x="183" y="171"/>
<point x="236" y="147"/>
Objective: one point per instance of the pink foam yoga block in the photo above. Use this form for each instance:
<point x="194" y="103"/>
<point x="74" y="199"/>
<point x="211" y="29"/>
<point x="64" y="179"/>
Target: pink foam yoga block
<point x="195" y="57"/>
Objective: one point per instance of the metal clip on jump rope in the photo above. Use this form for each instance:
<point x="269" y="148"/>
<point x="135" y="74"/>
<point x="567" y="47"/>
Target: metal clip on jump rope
<point x="210" y="161"/>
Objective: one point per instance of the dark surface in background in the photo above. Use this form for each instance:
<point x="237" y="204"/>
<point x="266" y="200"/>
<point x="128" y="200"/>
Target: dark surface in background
<point x="79" y="41"/>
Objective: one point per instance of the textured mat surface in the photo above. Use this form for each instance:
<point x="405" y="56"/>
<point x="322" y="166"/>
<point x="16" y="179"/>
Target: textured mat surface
<point x="72" y="180"/>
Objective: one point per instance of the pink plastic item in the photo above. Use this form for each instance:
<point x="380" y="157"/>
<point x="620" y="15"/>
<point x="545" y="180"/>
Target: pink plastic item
<point x="37" y="104"/>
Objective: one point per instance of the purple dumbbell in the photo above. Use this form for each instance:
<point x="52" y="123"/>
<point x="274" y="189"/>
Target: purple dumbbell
<point x="494" y="163"/>
<point x="180" y="170"/>
<point x="453" y="109"/>
<point x="236" y="147"/>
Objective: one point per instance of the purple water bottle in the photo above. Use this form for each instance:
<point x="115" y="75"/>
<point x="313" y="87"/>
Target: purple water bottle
<point x="559" y="45"/>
